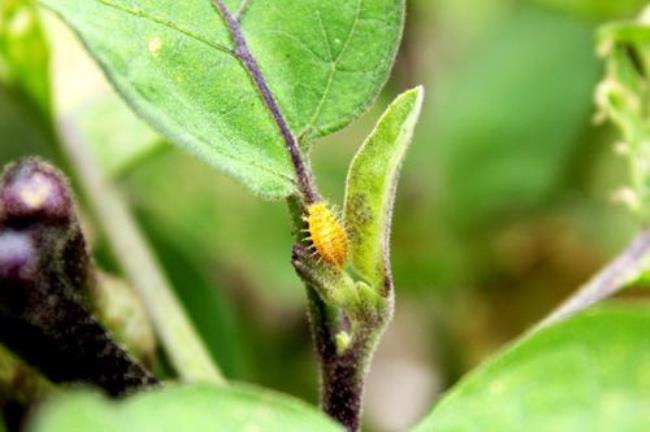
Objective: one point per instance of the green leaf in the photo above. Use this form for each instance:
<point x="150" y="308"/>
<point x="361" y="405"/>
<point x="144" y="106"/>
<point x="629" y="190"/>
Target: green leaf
<point x="371" y="186"/>
<point x="176" y="409"/>
<point x="324" y="61"/>
<point x="24" y="55"/>
<point x="590" y="373"/>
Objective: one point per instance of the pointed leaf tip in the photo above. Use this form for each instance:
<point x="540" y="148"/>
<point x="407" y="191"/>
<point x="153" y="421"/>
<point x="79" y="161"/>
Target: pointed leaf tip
<point x="371" y="186"/>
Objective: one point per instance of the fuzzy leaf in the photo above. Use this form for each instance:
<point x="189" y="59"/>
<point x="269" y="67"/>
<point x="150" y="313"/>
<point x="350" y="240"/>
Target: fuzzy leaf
<point x="589" y="373"/>
<point x="182" y="409"/>
<point x="324" y="61"/>
<point x="371" y="184"/>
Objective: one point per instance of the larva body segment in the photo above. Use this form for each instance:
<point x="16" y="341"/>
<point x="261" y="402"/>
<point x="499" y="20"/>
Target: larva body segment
<point x="326" y="233"/>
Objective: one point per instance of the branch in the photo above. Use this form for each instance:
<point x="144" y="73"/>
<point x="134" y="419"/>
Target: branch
<point x="183" y="345"/>
<point x="629" y="265"/>
<point x="242" y="52"/>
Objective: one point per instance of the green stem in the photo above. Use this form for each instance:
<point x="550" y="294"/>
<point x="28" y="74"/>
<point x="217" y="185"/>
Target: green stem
<point x="180" y="340"/>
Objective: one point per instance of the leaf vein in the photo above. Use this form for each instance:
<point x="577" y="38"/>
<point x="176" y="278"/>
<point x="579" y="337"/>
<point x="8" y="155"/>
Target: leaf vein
<point x="169" y="24"/>
<point x="333" y="70"/>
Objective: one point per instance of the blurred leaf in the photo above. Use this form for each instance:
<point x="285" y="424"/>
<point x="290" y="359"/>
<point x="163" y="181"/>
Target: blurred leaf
<point x="220" y="223"/>
<point x="119" y="309"/>
<point x="24" y="54"/>
<point x="508" y="118"/>
<point x="19" y="382"/>
<point x="206" y="302"/>
<point x="602" y="9"/>
<point x="372" y="183"/>
<point x="324" y="61"/>
<point x="22" y="134"/>
<point x="24" y="82"/>
<point x="589" y="373"/>
<point x="182" y="409"/>
<point x="119" y="138"/>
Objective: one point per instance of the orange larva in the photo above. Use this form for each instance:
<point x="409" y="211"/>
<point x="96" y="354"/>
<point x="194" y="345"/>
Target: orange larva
<point x="327" y="234"/>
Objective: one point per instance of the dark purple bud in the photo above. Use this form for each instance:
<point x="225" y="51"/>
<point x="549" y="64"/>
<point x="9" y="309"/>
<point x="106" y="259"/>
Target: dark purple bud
<point x="18" y="259"/>
<point x="18" y="270"/>
<point x="32" y="191"/>
<point x="45" y="274"/>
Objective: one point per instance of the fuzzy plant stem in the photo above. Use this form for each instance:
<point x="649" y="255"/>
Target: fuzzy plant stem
<point x="629" y="265"/>
<point x="182" y="343"/>
<point x="342" y="374"/>
<point x="244" y="55"/>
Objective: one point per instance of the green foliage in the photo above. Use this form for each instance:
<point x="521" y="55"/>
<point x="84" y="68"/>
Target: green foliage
<point x="119" y="139"/>
<point x="202" y="217"/>
<point x="597" y="8"/>
<point x="624" y="97"/>
<point x="324" y="61"/>
<point x="23" y="133"/>
<point x="24" y="55"/>
<point x="24" y="82"/>
<point x="372" y="183"/>
<point x="506" y="120"/>
<point x="589" y="373"/>
<point x="207" y="303"/>
<point x="175" y="409"/>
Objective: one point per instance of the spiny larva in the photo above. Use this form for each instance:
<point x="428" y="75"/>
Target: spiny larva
<point x="326" y="233"/>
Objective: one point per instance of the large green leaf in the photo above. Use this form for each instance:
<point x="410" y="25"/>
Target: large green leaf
<point x="182" y="409"/>
<point x="372" y="182"/>
<point x="590" y="373"/>
<point x="120" y="140"/>
<point x="324" y="61"/>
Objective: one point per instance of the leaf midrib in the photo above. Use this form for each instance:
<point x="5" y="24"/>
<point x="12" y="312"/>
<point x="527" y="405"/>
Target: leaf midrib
<point x="171" y="25"/>
<point x="227" y="50"/>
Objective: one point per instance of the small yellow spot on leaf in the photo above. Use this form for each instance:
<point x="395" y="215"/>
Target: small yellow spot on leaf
<point x="155" y="45"/>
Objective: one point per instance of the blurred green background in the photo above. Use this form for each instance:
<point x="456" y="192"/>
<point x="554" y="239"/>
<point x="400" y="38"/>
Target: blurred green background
<point x="504" y="205"/>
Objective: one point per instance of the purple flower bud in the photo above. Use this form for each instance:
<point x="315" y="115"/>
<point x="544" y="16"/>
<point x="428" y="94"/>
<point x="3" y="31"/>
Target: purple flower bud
<point x="18" y="258"/>
<point x="31" y="191"/>
<point x="18" y="270"/>
<point x="45" y="272"/>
